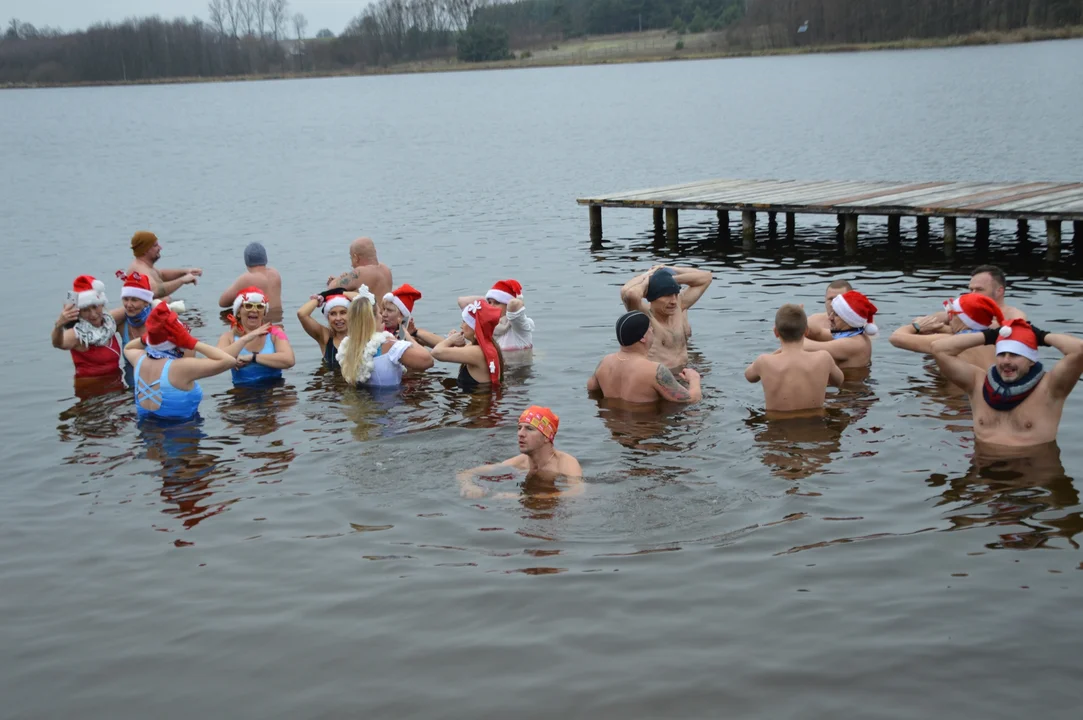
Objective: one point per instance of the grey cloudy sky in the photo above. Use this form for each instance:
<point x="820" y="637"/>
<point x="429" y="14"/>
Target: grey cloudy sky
<point x="78" y="14"/>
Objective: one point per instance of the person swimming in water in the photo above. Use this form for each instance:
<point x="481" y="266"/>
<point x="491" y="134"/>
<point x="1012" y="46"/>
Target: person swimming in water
<point x="166" y="369"/>
<point x="268" y="355"/>
<point x="481" y="363"/>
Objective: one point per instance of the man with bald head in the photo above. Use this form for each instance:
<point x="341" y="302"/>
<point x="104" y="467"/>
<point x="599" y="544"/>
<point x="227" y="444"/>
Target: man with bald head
<point x="366" y="270"/>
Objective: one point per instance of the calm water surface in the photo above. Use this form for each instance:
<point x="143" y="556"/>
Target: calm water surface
<point x="305" y="553"/>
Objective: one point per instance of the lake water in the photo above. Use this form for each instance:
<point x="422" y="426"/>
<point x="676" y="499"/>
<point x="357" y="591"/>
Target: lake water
<point x="306" y="554"/>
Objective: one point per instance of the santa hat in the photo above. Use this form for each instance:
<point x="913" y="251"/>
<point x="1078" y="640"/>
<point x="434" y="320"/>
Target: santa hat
<point x="483" y="319"/>
<point x="251" y="294"/>
<point x="856" y="311"/>
<point x="504" y="291"/>
<point x="1017" y="337"/>
<point x="136" y="286"/>
<point x="976" y="311"/>
<point x="333" y="301"/>
<point x="404" y="298"/>
<point x="89" y="291"/>
<point x="165" y="332"/>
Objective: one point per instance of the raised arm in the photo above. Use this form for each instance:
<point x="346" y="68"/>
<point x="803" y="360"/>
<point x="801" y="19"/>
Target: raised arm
<point x="63" y="338"/>
<point x="1064" y="376"/>
<point x="451" y="349"/>
<point x="177" y="273"/>
<point x="631" y="294"/>
<point x="234" y="348"/>
<point x="467" y="299"/>
<point x="696" y="282"/>
<point x="311" y="326"/>
<point x="168" y="287"/>
<point x="907" y="338"/>
<point x="946" y="352"/>
<point x="214" y="361"/>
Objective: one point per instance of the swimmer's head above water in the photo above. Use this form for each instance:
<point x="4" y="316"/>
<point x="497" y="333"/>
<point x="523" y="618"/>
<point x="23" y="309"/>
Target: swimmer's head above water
<point x="634" y="327"/>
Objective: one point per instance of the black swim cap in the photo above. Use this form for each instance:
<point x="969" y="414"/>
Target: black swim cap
<point x="631" y="327"/>
<point x="662" y="283"/>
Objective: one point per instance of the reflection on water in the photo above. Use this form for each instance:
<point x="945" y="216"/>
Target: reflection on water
<point x="795" y="446"/>
<point x="1025" y="494"/>
<point x="188" y="468"/>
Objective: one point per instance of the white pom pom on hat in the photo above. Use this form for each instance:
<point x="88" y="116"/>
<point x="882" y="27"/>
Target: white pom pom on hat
<point x="1005" y="331"/>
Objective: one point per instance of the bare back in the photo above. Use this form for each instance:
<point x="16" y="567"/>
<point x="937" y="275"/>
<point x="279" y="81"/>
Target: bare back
<point x="628" y="377"/>
<point x="795" y="380"/>
<point x="850" y="352"/>
<point x="267" y="279"/>
<point x="377" y="277"/>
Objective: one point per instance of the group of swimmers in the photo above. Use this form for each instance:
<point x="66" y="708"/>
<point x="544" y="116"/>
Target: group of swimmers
<point x="372" y="338"/>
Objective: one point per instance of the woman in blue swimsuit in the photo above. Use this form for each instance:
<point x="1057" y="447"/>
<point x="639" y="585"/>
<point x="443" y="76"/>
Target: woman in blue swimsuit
<point x="334" y="302"/>
<point x="268" y="353"/>
<point x="165" y="369"/>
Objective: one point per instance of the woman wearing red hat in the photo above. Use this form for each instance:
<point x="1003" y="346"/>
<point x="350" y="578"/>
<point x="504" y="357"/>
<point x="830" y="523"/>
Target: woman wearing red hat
<point x="515" y="331"/>
<point x="269" y="352"/>
<point x="165" y="370"/>
<point x="397" y="315"/>
<point x="137" y="298"/>
<point x="480" y="360"/>
<point x="371" y="356"/>
<point x="88" y="330"/>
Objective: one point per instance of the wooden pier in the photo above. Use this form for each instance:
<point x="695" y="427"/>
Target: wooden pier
<point x="1051" y="203"/>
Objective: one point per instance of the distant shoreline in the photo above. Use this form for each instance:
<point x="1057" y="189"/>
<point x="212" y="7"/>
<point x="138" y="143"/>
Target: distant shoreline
<point x="1023" y="35"/>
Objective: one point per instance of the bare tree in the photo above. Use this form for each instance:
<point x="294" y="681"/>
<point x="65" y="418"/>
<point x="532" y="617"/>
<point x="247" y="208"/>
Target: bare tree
<point x="229" y="7"/>
<point x="299" y="25"/>
<point x="278" y="14"/>
<point x="218" y="16"/>
<point x="246" y="14"/>
<point x="259" y="9"/>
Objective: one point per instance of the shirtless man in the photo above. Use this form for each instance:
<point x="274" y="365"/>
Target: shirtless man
<point x="366" y="270"/>
<point x="147" y="250"/>
<point x="851" y="316"/>
<point x="970" y="313"/>
<point x="258" y="274"/>
<point x="1015" y="403"/>
<point x="793" y="378"/>
<point x="629" y="375"/>
<point x="987" y="280"/>
<point x="819" y="326"/>
<point x="657" y="292"/>
<point x="537" y="455"/>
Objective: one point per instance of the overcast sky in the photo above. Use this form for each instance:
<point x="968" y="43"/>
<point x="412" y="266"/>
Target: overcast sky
<point x="78" y="14"/>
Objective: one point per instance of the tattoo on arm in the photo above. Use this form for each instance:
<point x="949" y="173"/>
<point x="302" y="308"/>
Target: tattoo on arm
<point x="345" y="278"/>
<point x="668" y="386"/>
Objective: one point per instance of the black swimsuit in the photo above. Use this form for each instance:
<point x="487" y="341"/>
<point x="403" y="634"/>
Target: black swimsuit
<point x="330" y="355"/>
<point x="467" y="382"/>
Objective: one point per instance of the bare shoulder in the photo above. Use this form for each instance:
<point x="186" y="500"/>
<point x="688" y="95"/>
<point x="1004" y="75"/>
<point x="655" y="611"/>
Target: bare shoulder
<point x="568" y="465"/>
<point x="521" y="462"/>
<point x="1014" y="313"/>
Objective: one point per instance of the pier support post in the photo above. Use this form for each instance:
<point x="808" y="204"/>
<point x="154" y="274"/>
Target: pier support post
<point x="772" y="223"/>
<point x="672" y="226"/>
<point x="748" y="227"/>
<point x="1052" y="239"/>
<point x="791" y="226"/>
<point x="982" y="231"/>
<point x="658" y="222"/>
<point x="1022" y="229"/>
<point x="595" y="222"/>
<point x="923" y="228"/>
<point x="849" y="233"/>
<point x="949" y="236"/>
<point x="1077" y="234"/>
<point x="893" y="232"/>
<point x="723" y="222"/>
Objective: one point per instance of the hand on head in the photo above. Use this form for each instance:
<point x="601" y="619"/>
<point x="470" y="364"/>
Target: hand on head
<point x="516" y="304"/>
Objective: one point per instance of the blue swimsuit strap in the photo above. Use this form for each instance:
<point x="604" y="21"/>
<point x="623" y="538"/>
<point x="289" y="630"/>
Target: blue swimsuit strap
<point x="148" y="391"/>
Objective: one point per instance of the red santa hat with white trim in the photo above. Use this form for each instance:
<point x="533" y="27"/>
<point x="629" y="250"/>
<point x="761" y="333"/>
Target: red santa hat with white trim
<point x="504" y="291"/>
<point x="404" y="298"/>
<point x="975" y="310"/>
<point x="1017" y="337"/>
<point x="251" y="294"/>
<point x="335" y="300"/>
<point x="89" y="291"/>
<point x="166" y="332"/>
<point x="856" y="311"/>
<point x="136" y="286"/>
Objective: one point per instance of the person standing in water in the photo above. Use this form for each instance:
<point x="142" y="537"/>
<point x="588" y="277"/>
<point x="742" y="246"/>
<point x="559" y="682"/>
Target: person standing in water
<point x="970" y="313"/>
<point x="852" y="325"/>
<point x="515" y="331"/>
<point x="819" y="324"/>
<point x="794" y="378"/>
<point x="658" y="293"/>
<point x="397" y="315"/>
<point x="137" y="298"/>
<point x="371" y="356"/>
<point x="166" y="369"/>
<point x="481" y="363"/>
<point x="334" y="304"/>
<point x="148" y="251"/>
<point x="257" y="274"/>
<point x="87" y="330"/>
<point x="537" y="455"/>
<point x="366" y="269"/>
<point x="268" y="355"/>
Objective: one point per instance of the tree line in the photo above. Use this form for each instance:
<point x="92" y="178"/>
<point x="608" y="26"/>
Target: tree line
<point x="243" y="37"/>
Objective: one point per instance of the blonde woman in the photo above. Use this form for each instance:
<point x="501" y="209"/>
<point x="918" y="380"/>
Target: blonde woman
<point x="369" y="355"/>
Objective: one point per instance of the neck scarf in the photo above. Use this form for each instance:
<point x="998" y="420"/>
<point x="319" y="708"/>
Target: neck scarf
<point x="1005" y="396"/>
<point x="141" y="318"/>
<point x="839" y="334"/>
<point x="102" y="336"/>
<point x="172" y="354"/>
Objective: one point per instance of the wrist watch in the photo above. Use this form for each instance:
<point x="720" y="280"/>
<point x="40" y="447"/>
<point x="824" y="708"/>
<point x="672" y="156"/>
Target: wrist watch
<point x="254" y="356"/>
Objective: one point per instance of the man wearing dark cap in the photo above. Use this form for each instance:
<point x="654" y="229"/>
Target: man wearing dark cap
<point x="147" y="250"/>
<point x="630" y="375"/>
<point x="658" y="293"/>
<point x="258" y="274"/>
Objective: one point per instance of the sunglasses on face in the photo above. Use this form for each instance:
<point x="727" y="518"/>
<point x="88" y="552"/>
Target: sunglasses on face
<point x="252" y="306"/>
